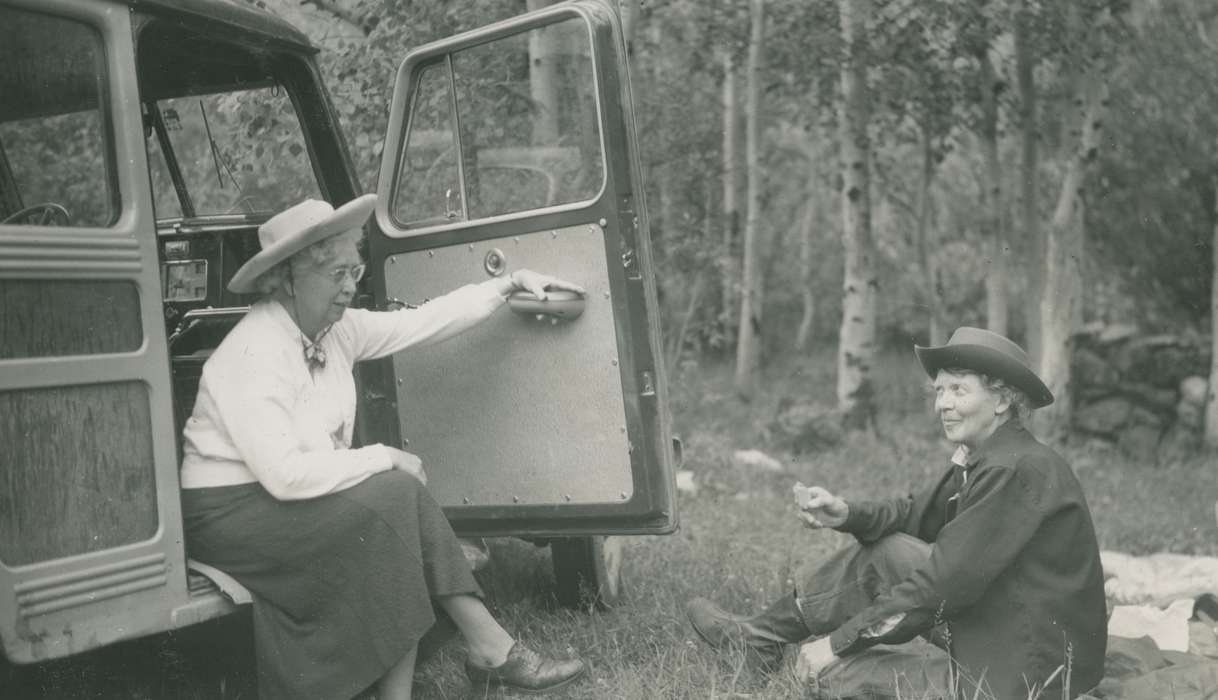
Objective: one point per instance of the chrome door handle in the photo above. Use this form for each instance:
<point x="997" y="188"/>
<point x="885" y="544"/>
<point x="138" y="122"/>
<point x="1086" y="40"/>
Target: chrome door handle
<point x="558" y="304"/>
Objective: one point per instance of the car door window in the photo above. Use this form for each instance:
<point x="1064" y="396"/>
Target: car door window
<point x="522" y="115"/>
<point x="430" y="184"/>
<point x="56" y="157"/>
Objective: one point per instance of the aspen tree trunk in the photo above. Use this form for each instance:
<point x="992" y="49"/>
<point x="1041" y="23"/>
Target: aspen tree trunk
<point x="807" y="254"/>
<point x="1060" y="298"/>
<point x="1029" y="205"/>
<point x="731" y="212"/>
<point x="700" y="279"/>
<point x="991" y="200"/>
<point x="748" y="344"/>
<point x="1211" y="400"/>
<point x="808" y="147"/>
<point x="543" y="79"/>
<point x="856" y="340"/>
<point x="930" y="270"/>
<point x="662" y="218"/>
<point x="691" y="309"/>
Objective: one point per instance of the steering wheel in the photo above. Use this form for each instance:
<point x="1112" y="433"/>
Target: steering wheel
<point x="44" y="214"/>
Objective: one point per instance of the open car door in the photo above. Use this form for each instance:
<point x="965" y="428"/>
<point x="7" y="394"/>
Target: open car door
<point x="509" y="147"/>
<point x="90" y="521"/>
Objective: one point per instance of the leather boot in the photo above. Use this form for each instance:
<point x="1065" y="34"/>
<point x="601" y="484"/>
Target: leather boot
<point x="761" y="636"/>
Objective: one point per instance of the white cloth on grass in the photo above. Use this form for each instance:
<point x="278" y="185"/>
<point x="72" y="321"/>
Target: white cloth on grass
<point x="1157" y="579"/>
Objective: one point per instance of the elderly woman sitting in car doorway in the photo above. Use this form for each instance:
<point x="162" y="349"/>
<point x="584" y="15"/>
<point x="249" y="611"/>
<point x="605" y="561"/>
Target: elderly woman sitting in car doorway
<point x="343" y="548"/>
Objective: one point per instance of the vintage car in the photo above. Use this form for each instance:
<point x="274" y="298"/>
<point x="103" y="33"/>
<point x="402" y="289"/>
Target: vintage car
<point x="142" y="142"/>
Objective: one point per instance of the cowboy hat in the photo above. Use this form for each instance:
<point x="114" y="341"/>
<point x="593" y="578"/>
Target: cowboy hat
<point x="988" y="353"/>
<point x="296" y="228"/>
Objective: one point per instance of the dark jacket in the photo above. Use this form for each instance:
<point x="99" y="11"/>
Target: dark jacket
<point x="1014" y="571"/>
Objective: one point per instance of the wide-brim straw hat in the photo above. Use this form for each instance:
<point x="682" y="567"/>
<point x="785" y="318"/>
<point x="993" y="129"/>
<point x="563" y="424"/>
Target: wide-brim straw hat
<point x="989" y="353"/>
<point x="296" y="228"/>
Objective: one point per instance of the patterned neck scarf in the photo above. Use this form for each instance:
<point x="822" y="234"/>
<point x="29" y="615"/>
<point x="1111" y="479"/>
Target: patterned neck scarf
<point x="314" y="355"/>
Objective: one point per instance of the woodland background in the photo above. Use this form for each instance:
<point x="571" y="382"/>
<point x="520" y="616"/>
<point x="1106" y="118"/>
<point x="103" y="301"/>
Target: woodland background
<point x="863" y="174"/>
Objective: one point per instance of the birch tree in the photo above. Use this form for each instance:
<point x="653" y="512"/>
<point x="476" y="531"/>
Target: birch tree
<point x="731" y="210"/>
<point x="809" y="148"/>
<point x="748" y="343"/>
<point x="1029" y="154"/>
<point x="807" y="257"/>
<point x="924" y="242"/>
<point x="992" y="204"/>
<point x="543" y="79"/>
<point x="856" y="339"/>
<point x="1211" y="399"/>
<point x="1060" y="296"/>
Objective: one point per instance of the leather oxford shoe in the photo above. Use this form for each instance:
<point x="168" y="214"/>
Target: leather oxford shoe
<point x="525" y="671"/>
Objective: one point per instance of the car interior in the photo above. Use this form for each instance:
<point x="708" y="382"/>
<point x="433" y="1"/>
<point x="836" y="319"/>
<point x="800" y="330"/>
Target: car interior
<point x="206" y="222"/>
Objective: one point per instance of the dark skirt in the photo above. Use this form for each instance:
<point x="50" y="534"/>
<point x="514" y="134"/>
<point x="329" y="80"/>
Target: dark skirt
<point x="342" y="584"/>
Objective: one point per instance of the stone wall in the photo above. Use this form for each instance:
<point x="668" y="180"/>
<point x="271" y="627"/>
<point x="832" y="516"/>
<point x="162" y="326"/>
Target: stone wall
<point x="1146" y="393"/>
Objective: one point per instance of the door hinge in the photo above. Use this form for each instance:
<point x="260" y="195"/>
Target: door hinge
<point x="628" y="220"/>
<point x="648" y="383"/>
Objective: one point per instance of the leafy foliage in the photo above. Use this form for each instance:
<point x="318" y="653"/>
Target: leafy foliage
<point x="1149" y="256"/>
<point x="1155" y="213"/>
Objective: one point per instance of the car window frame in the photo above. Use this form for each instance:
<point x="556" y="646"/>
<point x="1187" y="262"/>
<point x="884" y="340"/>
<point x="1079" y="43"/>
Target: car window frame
<point x="413" y="66"/>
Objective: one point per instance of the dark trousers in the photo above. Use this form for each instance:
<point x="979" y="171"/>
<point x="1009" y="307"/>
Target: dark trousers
<point x="831" y="592"/>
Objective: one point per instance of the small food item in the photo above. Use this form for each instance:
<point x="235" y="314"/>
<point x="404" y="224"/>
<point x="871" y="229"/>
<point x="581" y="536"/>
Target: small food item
<point x="803" y="495"/>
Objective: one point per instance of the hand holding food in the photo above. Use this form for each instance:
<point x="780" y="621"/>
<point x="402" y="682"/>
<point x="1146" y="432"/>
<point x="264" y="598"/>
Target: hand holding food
<point x="818" y="508"/>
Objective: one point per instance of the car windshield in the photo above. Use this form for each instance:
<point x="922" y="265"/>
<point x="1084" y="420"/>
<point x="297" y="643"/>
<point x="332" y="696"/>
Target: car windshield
<point x="240" y="152"/>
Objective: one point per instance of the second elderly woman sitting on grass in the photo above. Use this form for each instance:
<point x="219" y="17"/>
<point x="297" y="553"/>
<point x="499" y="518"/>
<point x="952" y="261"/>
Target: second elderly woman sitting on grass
<point x="343" y="548"/>
<point x="995" y="561"/>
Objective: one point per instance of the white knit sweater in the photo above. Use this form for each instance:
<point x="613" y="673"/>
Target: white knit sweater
<point x="262" y="415"/>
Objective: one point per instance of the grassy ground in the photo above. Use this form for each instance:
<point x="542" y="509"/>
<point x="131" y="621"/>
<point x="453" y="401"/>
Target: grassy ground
<point x="738" y="544"/>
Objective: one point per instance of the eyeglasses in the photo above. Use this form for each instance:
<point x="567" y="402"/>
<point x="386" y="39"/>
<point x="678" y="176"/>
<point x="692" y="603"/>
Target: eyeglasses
<point x="339" y="274"/>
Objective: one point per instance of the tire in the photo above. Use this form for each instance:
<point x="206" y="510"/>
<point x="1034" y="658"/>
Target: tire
<point x="588" y="572"/>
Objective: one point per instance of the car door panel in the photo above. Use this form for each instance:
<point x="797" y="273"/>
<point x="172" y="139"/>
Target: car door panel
<point x="90" y="527"/>
<point x="528" y="426"/>
<point x="474" y="406"/>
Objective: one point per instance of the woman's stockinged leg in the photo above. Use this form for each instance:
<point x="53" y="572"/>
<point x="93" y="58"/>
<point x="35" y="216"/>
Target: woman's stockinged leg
<point x="496" y="660"/>
<point x="486" y="639"/>
<point x="397" y="683"/>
